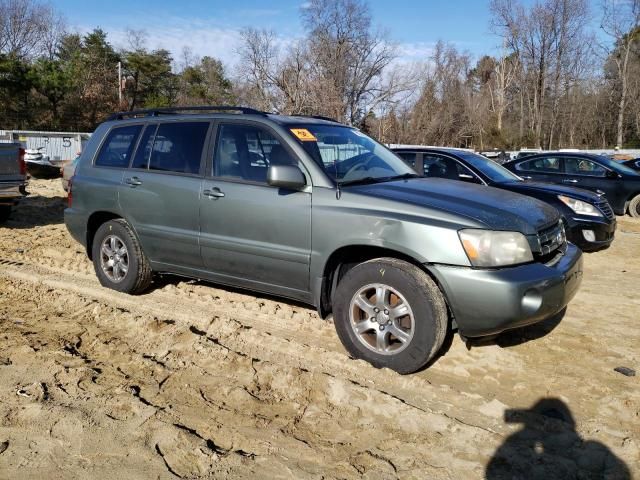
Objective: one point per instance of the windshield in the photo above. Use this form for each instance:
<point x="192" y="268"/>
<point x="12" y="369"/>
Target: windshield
<point x="616" y="166"/>
<point x="492" y="170"/>
<point x="348" y="155"/>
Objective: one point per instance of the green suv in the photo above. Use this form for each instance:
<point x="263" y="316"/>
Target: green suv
<point x="316" y="211"/>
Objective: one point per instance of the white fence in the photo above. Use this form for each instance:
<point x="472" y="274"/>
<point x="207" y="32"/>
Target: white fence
<point x="58" y="146"/>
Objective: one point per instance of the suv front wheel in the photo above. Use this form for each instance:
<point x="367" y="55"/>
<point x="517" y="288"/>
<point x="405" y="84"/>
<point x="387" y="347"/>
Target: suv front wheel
<point x="118" y="259"/>
<point x="634" y="207"/>
<point x="391" y="314"/>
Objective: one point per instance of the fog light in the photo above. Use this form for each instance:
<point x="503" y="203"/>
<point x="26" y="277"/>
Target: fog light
<point x="531" y="301"/>
<point x="589" y="235"/>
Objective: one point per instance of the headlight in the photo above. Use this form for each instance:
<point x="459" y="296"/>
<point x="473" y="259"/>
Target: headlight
<point x="580" y="207"/>
<point x="488" y="248"/>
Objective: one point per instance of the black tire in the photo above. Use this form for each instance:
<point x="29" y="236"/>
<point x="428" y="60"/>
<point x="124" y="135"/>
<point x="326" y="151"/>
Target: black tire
<point x="424" y="298"/>
<point x="5" y="213"/>
<point x="138" y="275"/>
<point x="634" y="207"/>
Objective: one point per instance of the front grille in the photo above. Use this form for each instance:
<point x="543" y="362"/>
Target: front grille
<point x="550" y="240"/>
<point x="605" y="208"/>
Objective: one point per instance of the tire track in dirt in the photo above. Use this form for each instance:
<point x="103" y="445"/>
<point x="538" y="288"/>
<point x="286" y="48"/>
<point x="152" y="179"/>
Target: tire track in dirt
<point x="233" y="329"/>
<point x="310" y="407"/>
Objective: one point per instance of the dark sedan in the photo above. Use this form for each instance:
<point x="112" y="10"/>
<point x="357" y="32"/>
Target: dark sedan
<point x="633" y="164"/>
<point x="620" y="184"/>
<point x="589" y="220"/>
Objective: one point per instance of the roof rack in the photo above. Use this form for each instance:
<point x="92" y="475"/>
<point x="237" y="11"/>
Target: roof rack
<point x="317" y="117"/>
<point x="155" y="112"/>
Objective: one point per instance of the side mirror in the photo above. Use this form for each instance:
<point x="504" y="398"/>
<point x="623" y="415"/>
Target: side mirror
<point x="612" y="174"/>
<point x="286" y="176"/>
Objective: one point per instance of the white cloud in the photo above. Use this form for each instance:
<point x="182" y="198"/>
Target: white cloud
<point x="208" y="37"/>
<point x="204" y="37"/>
<point x="415" y="51"/>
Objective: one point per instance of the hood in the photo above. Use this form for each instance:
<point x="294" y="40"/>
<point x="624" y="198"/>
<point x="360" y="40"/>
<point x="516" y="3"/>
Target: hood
<point x="553" y="189"/>
<point x="497" y="209"/>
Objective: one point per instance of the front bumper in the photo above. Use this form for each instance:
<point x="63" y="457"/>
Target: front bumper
<point x="603" y="231"/>
<point x="486" y="302"/>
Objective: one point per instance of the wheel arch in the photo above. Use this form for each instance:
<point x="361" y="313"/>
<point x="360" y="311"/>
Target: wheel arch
<point x="627" y="203"/>
<point x="344" y="258"/>
<point x="93" y="223"/>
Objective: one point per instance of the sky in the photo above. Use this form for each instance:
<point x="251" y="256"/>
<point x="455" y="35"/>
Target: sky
<point x="211" y="27"/>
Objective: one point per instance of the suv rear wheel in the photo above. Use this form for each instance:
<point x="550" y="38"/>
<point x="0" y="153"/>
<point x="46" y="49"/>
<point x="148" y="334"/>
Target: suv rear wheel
<point x="118" y="259"/>
<point x="390" y="313"/>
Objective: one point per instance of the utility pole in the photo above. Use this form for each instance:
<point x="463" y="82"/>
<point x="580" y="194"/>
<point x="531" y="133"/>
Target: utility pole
<point x="119" y="84"/>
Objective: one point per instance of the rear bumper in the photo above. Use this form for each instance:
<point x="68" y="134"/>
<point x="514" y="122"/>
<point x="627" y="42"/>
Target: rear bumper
<point x="486" y="302"/>
<point x="10" y="193"/>
<point x="603" y="231"/>
<point x="76" y="224"/>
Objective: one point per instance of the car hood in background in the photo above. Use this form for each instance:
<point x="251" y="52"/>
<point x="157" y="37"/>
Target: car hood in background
<point x="552" y="188"/>
<point x="497" y="209"/>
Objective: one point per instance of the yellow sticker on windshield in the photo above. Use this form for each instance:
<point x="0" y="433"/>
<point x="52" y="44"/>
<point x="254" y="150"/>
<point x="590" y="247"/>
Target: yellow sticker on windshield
<point x="304" y="135"/>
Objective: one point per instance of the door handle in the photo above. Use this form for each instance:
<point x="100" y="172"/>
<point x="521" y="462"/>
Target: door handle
<point x="569" y="180"/>
<point x="525" y="177"/>
<point x="133" y="182"/>
<point x="214" y="193"/>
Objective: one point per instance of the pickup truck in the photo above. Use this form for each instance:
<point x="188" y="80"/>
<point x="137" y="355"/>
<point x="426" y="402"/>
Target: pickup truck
<point x="13" y="177"/>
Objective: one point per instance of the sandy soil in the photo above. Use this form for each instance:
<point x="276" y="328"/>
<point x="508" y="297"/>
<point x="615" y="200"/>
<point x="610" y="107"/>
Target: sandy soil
<point x="195" y="381"/>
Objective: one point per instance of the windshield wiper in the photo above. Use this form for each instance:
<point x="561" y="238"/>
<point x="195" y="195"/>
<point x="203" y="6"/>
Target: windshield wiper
<point x="404" y="176"/>
<point x="361" y="181"/>
<point x="365" y="180"/>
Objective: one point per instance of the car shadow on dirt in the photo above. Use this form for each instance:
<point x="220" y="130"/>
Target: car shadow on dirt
<point x="549" y="447"/>
<point x="36" y="211"/>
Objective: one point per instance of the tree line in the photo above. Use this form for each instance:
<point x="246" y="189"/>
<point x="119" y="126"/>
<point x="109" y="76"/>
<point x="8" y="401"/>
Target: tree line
<point x="557" y="81"/>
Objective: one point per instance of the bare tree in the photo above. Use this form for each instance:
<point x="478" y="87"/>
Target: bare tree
<point x="570" y="40"/>
<point x="348" y="55"/>
<point x="28" y="28"/>
<point x="545" y="38"/>
<point x="268" y="79"/>
<point x="622" y="22"/>
<point x="505" y="74"/>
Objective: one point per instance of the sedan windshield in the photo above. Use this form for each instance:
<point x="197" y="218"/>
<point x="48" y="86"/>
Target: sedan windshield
<point x="492" y="170"/>
<point x="348" y="155"/>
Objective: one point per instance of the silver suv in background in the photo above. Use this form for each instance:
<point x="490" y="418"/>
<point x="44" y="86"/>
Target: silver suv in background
<point x="316" y="211"/>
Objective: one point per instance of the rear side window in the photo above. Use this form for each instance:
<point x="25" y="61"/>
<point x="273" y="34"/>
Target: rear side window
<point x="178" y="146"/>
<point x="117" y="148"/>
<point x="582" y="166"/>
<point x="141" y="158"/>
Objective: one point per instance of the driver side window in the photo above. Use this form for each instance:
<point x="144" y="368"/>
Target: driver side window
<point x="117" y="148"/>
<point x="445" y="167"/>
<point x="245" y="152"/>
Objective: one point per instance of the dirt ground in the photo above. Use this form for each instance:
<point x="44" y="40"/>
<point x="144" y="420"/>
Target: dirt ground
<point x="192" y="380"/>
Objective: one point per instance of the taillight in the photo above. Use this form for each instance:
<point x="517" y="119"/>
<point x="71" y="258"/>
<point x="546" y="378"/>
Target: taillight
<point x="21" y="163"/>
<point x="70" y="193"/>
